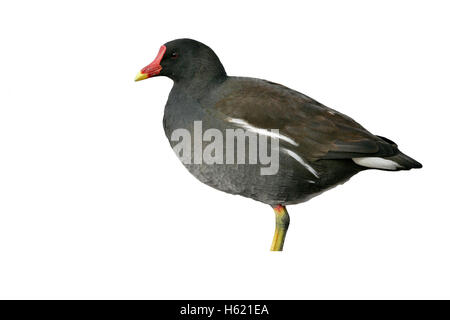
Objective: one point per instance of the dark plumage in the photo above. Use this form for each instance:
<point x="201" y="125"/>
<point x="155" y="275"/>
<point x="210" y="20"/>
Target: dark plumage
<point x="321" y="147"/>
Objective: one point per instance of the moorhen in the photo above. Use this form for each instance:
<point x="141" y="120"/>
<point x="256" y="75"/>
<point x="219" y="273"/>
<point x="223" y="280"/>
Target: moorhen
<point x="316" y="147"/>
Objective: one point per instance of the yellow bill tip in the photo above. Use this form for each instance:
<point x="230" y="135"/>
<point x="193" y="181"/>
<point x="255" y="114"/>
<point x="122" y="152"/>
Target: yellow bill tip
<point x="141" y="76"/>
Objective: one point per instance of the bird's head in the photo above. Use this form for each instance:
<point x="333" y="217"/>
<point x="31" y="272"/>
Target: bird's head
<point x="183" y="59"/>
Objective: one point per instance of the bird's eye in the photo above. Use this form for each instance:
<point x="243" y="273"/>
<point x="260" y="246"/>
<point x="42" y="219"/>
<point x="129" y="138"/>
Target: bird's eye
<point x="174" y="55"/>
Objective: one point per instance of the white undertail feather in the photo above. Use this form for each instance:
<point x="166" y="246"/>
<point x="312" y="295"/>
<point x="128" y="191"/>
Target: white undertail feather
<point x="377" y="163"/>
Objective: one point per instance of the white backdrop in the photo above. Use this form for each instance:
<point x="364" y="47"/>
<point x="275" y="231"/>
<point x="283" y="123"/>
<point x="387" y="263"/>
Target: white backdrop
<point x="94" y="203"/>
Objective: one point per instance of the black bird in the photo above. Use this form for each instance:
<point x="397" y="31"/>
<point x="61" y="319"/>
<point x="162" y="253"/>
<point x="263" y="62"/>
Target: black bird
<point x="317" y="147"/>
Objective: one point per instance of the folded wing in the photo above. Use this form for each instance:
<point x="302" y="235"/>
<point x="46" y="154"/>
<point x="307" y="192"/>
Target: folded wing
<point x="318" y="131"/>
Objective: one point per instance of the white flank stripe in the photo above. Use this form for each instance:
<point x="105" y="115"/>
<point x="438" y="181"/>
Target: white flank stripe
<point x="301" y="161"/>
<point x="377" y="163"/>
<point x="265" y="132"/>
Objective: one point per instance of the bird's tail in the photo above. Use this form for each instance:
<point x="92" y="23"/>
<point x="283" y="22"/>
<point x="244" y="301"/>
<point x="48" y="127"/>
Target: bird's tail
<point x="397" y="162"/>
<point x="404" y="162"/>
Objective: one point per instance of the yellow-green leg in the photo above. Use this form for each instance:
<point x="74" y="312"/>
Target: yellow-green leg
<point x="281" y="227"/>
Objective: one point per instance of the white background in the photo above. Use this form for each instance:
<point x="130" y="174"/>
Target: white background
<point x="94" y="203"/>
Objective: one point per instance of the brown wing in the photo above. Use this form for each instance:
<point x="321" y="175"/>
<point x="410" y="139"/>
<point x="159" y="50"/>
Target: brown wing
<point x="321" y="132"/>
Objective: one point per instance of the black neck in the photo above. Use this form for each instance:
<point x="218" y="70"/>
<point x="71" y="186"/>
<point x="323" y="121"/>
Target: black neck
<point x="201" y="80"/>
